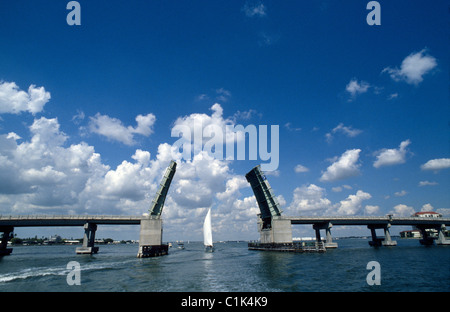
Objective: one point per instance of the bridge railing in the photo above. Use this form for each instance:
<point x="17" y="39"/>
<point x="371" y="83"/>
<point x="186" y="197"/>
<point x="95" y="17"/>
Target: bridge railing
<point x="68" y="217"/>
<point x="369" y="218"/>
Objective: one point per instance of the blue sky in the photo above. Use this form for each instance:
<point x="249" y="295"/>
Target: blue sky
<point x="86" y="112"/>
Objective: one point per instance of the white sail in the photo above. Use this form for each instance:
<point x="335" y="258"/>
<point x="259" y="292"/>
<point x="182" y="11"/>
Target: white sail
<point x="207" y="231"/>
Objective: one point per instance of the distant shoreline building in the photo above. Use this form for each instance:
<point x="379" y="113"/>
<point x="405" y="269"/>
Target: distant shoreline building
<point x="427" y="214"/>
<point x="415" y="232"/>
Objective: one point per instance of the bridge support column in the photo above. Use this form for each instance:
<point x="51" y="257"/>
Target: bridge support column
<point x="375" y="241"/>
<point x="441" y="236"/>
<point x="328" y="239"/>
<point x="280" y="231"/>
<point x="318" y="238"/>
<point x="7" y="231"/>
<point x="276" y="235"/>
<point x="88" y="240"/>
<point x="386" y="241"/>
<point x="387" y="237"/>
<point x="150" y="239"/>
<point x="426" y="238"/>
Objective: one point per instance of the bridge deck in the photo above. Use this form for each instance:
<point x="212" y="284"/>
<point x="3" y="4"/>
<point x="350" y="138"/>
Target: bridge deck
<point x="66" y="220"/>
<point x="367" y="220"/>
<point x="79" y="220"/>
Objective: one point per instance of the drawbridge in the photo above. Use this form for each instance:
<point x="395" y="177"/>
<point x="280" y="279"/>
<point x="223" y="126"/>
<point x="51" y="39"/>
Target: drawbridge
<point x="150" y="242"/>
<point x="276" y="230"/>
<point x="267" y="202"/>
<point x="150" y="238"/>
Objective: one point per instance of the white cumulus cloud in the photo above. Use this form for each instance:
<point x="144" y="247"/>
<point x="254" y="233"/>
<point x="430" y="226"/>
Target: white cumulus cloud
<point x="413" y="68"/>
<point x="354" y="87"/>
<point x="345" y="167"/>
<point x="309" y="200"/>
<point x="113" y="129"/>
<point x="353" y="203"/>
<point x="401" y="193"/>
<point x="402" y="210"/>
<point x="394" y="156"/>
<point x="346" y="130"/>
<point x="427" y="207"/>
<point x="372" y="209"/>
<point x="300" y="168"/>
<point x="44" y="175"/>
<point x="436" y="164"/>
<point x="14" y="101"/>
<point x="427" y="183"/>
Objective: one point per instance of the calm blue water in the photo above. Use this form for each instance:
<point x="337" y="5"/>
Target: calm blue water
<point x="232" y="267"/>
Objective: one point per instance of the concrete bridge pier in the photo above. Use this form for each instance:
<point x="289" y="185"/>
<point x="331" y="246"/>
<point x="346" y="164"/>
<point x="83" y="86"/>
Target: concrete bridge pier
<point x="375" y="242"/>
<point x="150" y="238"/>
<point x="88" y="240"/>
<point x="386" y="241"/>
<point x="442" y="240"/>
<point x="426" y="240"/>
<point x="7" y="232"/>
<point x="387" y="237"/>
<point x="279" y="231"/>
<point x="328" y="240"/>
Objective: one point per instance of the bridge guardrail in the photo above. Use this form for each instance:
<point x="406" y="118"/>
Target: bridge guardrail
<point x="76" y="217"/>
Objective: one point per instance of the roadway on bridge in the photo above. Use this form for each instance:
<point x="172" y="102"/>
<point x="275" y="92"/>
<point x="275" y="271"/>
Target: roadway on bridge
<point x="366" y="220"/>
<point x="66" y="220"/>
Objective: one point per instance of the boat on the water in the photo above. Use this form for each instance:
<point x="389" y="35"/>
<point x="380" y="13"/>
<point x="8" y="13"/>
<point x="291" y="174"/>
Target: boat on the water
<point x="207" y="233"/>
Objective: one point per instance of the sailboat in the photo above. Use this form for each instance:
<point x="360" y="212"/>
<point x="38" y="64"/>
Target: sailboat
<point x="207" y="232"/>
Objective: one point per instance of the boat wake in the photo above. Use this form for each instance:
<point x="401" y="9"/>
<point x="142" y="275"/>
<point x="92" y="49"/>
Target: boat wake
<point x="38" y="272"/>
